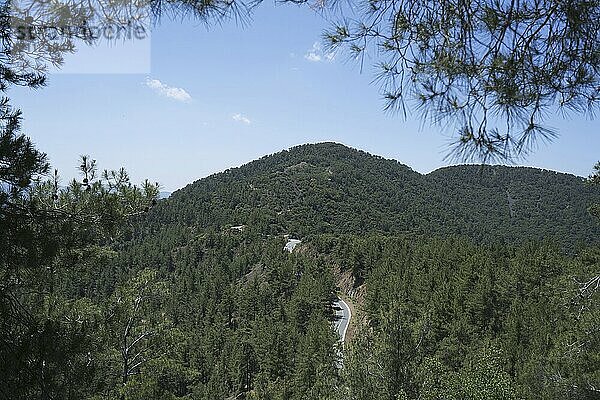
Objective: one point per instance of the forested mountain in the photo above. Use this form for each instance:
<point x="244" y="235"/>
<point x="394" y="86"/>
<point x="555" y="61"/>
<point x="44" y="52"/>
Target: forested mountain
<point x="461" y="299"/>
<point x="330" y="188"/>
<point x="109" y="293"/>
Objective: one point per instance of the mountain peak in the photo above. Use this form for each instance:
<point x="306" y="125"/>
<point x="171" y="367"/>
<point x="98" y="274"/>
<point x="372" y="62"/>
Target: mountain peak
<point x="331" y="188"/>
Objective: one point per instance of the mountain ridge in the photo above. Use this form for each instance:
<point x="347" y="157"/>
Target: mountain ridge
<point x="318" y="144"/>
<point x="331" y="188"/>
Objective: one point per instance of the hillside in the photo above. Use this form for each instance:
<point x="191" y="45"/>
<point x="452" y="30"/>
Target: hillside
<point x="448" y="287"/>
<point x="197" y="307"/>
<point x="330" y="188"/>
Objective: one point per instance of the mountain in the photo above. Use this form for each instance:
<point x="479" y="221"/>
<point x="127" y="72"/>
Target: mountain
<point x="427" y="261"/>
<point x="331" y="188"/>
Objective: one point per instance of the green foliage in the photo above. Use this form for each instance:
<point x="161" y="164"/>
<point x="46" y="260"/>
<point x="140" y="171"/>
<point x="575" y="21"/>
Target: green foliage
<point x="594" y="179"/>
<point x="363" y="371"/>
<point x="448" y="319"/>
<point x="253" y="321"/>
<point x="484" y="379"/>
<point x="329" y="188"/>
<point x="489" y="70"/>
<point x="50" y="235"/>
<point x="108" y="294"/>
<point x="137" y="332"/>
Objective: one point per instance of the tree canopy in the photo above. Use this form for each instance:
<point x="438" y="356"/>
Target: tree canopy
<point x="490" y="71"/>
<point x="469" y="64"/>
<point x="99" y="301"/>
<point x="331" y="188"/>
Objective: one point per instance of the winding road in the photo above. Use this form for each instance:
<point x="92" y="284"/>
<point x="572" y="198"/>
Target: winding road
<point x="343" y="315"/>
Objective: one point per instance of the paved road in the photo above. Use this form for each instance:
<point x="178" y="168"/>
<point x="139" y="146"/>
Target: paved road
<point x="343" y="315"/>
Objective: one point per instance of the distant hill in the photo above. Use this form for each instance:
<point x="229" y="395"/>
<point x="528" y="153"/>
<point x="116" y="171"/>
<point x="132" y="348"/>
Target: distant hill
<point x="330" y="188"/>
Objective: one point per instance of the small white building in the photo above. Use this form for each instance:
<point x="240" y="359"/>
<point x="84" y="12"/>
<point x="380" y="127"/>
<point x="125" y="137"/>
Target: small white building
<point x="239" y="228"/>
<point x="291" y="244"/>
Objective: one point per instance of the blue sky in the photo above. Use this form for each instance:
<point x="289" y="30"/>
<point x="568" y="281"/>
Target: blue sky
<point x="220" y="97"/>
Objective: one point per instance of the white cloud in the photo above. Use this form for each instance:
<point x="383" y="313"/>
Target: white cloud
<point x="241" y="118"/>
<point x="317" y="54"/>
<point x="312" y="56"/>
<point x="174" y="93"/>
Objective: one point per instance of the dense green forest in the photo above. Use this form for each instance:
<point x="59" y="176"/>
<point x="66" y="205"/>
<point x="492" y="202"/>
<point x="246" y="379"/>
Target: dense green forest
<point x="330" y="188"/>
<point x="449" y="319"/>
<point x="470" y="282"/>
